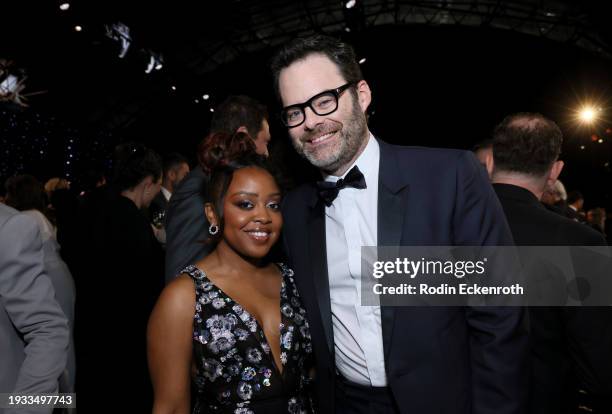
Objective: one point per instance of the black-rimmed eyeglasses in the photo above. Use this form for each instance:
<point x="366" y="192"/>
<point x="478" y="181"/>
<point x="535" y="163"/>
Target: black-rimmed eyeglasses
<point x="321" y="104"/>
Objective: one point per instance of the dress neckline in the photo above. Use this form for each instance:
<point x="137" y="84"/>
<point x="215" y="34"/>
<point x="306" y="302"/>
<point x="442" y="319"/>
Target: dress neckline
<point x="249" y="320"/>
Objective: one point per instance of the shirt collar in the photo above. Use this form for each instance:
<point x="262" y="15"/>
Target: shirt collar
<point x="367" y="162"/>
<point x="167" y="194"/>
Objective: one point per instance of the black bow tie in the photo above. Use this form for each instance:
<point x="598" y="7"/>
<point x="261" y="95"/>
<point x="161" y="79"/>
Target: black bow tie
<point x="328" y="191"/>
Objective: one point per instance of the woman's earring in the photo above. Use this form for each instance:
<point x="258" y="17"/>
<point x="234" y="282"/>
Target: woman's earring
<point x="213" y="229"/>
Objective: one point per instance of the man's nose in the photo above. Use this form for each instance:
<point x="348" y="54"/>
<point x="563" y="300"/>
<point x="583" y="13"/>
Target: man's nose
<point x="311" y="119"/>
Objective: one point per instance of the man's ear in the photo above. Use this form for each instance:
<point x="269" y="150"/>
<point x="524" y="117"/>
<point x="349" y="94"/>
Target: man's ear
<point x="364" y="95"/>
<point x="489" y="163"/>
<point x="171" y="175"/>
<point x="555" y="170"/>
<point x="147" y="183"/>
<point x="211" y="214"/>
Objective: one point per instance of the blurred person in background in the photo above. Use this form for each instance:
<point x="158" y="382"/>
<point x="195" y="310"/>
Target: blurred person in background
<point x="596" y="218"/>
<point x="34" y="332"/>
<point x="25" y="193"/>
<point x="120" y="278"/>
<point x="575" y="205"/>
<point x="554" y="198"/>
<point x="175" y="169"/>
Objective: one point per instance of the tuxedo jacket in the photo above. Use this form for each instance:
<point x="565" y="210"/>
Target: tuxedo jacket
<point x="438" y="359"/>
<point x="158" y="204"/>
<point x="186" y="224"/>
<point x="571" y="347"/>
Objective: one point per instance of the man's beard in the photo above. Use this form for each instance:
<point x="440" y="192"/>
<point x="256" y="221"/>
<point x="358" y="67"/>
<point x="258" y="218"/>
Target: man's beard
<point x="352" y="134"/>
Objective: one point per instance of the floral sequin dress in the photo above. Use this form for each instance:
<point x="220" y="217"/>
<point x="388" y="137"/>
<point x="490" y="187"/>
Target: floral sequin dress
<point x="235" y="368"/>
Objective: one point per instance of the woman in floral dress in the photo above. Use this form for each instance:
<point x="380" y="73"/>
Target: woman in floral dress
<point x="233" y="322"/>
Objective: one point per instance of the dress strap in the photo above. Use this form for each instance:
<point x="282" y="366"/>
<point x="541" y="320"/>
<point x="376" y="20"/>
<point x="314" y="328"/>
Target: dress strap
<point x="193" y="272"/>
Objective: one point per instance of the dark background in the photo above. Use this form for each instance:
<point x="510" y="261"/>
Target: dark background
<point x="444" y="83"/>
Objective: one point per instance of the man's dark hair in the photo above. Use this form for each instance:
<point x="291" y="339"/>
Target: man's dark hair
<point x="340" y="53"/>
<point x="173" y="160"/>
<point x="574" y="196"/>
<point x="237" y="111"/>
<point x="24" y="192"/>
<point x="133" y="163"/>
<point x="526" y="143"/>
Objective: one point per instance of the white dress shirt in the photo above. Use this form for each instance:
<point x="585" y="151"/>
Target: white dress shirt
<point x="167" y="194"/>
<point x="350" y="223"/>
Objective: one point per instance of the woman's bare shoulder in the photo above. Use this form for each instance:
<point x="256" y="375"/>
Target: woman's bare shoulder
<point x="178" y="295"/>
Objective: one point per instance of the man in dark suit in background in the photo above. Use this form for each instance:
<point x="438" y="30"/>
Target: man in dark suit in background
<point x="571" y="348"/>
<point x="175" y="169"/>
<point x="186" y="225"/>
<point x="387" y="359"/>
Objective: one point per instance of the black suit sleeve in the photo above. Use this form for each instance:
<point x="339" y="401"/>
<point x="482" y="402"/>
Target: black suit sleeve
<point x="588" y="331"/>
<point x="498" y="336"/>
<point x="285" y="245"/>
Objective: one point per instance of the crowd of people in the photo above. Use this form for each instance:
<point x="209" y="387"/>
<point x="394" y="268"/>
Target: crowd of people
<point x="171" y="288"/>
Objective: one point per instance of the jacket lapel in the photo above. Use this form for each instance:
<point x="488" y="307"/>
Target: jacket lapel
<point x="318" y="255"/>
<point x="392" y="201"/>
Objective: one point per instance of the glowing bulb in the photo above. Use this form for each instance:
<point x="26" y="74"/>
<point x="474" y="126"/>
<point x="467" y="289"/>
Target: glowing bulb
<point x="587" y="114"/>
<point x="64" y="6"/>
<point x="78" y="28"/>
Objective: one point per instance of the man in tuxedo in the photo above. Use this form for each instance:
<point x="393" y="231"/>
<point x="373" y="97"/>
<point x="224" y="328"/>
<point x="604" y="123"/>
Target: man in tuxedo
<point x="186" y="225"/>
<point x="175" y="169"/>
<point x="571" y="348"/>
<point x="34" y="333"/>
<point x="575" y="203"/>
<point x="387" y="359"/>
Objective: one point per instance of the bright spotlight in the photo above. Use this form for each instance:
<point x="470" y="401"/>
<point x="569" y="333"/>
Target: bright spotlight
<point x="588" y="114"/>
<point x="362" y="61"/>
<point x="64" y="6"/>
<point x="205" y="97"/>
<point x="78" y="28"/>
<point x="350" y="4"/>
